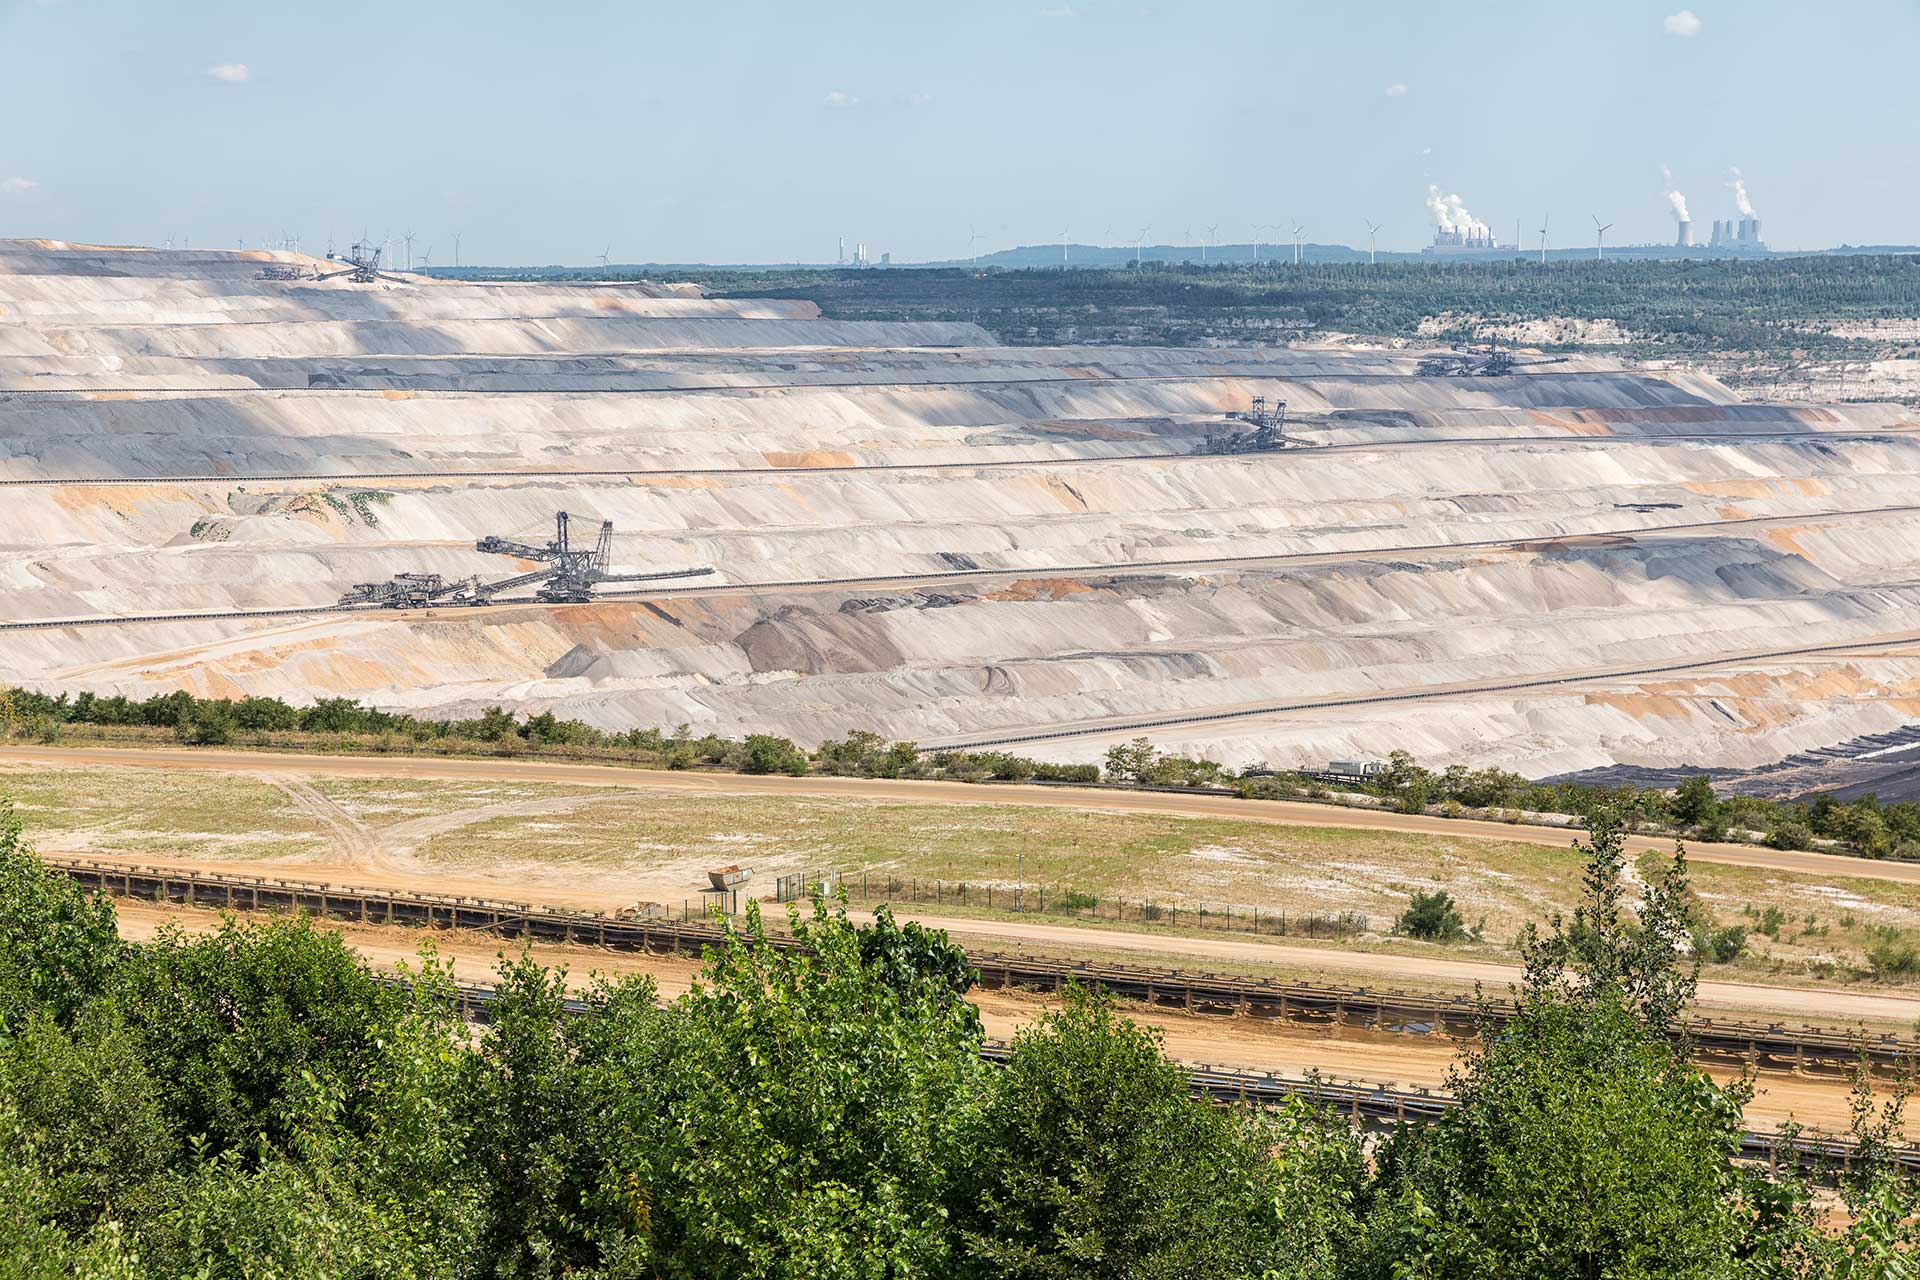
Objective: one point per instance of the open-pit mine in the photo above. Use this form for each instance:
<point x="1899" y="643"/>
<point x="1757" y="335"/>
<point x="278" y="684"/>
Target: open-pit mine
<point x="911" y="528"/>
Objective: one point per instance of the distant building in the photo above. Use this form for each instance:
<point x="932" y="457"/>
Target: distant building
<point x="1475" y="239"/>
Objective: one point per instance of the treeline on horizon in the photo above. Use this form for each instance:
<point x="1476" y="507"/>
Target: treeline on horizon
<point x="1770" y="305"/>
<point x="254" y="1101"/>
<point x="1863" y="827"/>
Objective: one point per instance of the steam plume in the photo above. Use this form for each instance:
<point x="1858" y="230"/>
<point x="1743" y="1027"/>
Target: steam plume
<point x="1739" y="185"/>
<point x="1450" y="214"/>
<point x="1674" y="198"/>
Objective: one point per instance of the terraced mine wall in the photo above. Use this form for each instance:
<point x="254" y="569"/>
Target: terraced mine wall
<point x="180" y="436"/>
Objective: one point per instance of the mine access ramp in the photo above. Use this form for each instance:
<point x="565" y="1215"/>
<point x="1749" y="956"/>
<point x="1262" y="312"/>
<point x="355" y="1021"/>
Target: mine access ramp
<point x="568" y="575"/>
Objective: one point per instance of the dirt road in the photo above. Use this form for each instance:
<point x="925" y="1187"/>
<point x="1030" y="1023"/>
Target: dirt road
<point x="1240" y="1043"/>
<point x="1815" y="1005"/>
<point x="1285" y="812"/>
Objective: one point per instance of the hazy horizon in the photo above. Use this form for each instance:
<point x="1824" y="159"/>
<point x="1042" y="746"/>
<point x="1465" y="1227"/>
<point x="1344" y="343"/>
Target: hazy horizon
<point x="746" y="133"/>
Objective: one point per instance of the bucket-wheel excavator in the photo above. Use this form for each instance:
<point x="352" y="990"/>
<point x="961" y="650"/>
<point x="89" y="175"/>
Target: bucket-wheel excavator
<point x="568" y="574"/>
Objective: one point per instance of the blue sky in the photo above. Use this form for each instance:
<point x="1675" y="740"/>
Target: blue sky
<point x="733" y="131"/>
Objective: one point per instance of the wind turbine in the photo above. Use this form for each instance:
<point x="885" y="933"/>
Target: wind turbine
<point x="1373" y="238"/>
<point x="1599" y="238"/>
<point x="1063" y="246"/>
<point x="1140" y="240"/>
<point x="1544" y="220"/>
<point x="603" y="259"/>
<point x="456" y="249"/>
<point x="426" y="258"/>
<point x="973" y="238"/>
<point x="1297" y="229"/>
<point x="1209" y="240"/>
<point x="407" y="239"/>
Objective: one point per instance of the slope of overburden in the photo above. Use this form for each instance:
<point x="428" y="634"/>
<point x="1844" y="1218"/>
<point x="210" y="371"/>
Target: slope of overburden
<point x="922" y="532"/>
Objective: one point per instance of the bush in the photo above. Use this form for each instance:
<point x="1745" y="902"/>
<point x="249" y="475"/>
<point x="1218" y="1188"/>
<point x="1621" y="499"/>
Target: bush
<point x="768" y="754"/>
<point x="1790" y="834"/>
<point x="1432" y="917"/>
<point x="1720" y="946"/>
<point x="1893" y="961"/>
<point x="210" y="724"/>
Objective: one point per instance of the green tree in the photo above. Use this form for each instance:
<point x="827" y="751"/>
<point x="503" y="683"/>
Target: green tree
<point x="1091" y="1159"/>
<point x="813" y="1116"/>
<point x="210" y="724"/>
<point x="1431" y="917"/>
<point x="1694" y="803"/>
<point x="58" y="946"/>
<point x="85" y="1103"/>
<point x="265" y="714"/>
<point x="1863" y="829"/>
<point x="1584" y="1143"/>
<point x="1130" y="761"/>
<point x="234" y="1020"/>
<point x="766" y="753"/>
<point x="532" y="1145"/>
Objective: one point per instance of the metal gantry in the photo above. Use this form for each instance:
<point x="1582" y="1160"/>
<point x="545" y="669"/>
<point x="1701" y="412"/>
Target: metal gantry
<point x="568" y="574"/>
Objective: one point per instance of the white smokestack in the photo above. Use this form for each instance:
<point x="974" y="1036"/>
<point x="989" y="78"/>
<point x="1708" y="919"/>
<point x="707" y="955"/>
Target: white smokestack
<point x="1740" y="201"/>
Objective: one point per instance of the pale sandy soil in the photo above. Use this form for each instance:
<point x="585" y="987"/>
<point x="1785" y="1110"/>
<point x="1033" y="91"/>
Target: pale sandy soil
<point x="1273" y="811"/>
<point x="598" y="838"/>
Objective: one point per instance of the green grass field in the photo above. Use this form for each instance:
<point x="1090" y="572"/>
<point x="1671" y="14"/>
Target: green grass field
<point x="657" y="845"/>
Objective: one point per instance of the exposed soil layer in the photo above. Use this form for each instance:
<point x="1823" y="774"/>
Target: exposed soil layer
<point x="1421" y="533"/>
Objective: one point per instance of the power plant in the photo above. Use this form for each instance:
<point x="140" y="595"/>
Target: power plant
<point x="1742" y="235"/>
<point x="1457" y="231"/>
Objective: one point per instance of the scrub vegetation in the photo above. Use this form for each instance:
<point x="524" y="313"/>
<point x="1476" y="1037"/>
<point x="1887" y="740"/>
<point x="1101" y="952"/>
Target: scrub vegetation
<point x="1780" y="306"/>
<point x="257" y="1102"/>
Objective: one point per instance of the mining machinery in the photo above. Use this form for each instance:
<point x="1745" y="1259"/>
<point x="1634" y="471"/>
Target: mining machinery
<point x="1471" y="362"/>
<point x="1267" y="434"/>
<point x="363" y="265"/>
<point x="568" y="574"/>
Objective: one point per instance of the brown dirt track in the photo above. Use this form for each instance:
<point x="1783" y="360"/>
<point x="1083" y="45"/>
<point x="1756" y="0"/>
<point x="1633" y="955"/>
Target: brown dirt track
<point x="1239" y="1043"/>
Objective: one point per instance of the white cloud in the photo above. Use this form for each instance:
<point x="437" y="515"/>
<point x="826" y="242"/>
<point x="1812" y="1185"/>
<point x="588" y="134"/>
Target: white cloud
<point x="1396" y="91"/>
<point x="231" y="72"/>
<point x="15" y="185"/>
<point x="920" y="100"/>
<point x="1059" y="11"/>
<point x="1685" y="24"/>
<point x="840" y="100"/>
